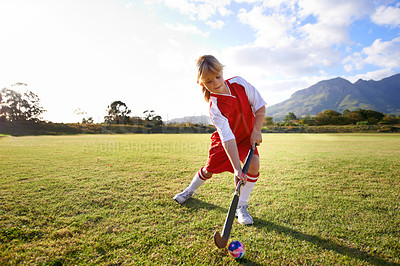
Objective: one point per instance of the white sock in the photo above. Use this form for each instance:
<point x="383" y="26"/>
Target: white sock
<point x="196" y="182"/>
<point x="245" y="193"/>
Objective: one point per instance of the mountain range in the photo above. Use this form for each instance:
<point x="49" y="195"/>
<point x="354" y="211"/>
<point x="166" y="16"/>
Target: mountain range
<point x="203" y="119"/>
<point x="340" y="94"/>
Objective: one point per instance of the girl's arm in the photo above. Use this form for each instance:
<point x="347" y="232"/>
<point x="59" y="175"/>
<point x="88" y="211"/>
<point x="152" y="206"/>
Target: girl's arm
<point x="231" y="149"/>
<point x="256" y="137"/>
<point x="257" y="104"/>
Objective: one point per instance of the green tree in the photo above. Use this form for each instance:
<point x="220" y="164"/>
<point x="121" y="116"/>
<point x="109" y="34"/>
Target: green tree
<point x="16" y="106"/>
<point x="390" y="119"/>
<point x="151" y="119"/>
<point x="136" y="120"/>
<point x="3" y="117"/>
<point x="290" y="117"/>
<point x="345" y="112"/>
<point x="308" y="120"/>
<point x="117" y="113"/>
<point x="353" y="117"/>
<point x="268" y="121"/>
<point x="329" y="117"/>
<point x="88" y="120"/>
<point x="373" y="117"/>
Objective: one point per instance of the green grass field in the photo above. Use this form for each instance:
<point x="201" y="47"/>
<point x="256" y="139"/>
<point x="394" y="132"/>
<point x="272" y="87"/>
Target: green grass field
<point x="326" y="199"/>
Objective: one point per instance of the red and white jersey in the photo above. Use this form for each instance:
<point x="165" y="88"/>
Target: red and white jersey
<point x="233" y="113"/>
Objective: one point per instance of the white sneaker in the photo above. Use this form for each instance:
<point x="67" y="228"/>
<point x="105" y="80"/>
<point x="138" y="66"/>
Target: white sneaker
<point x="243" y="216"/>
<point x="183" y="196"/>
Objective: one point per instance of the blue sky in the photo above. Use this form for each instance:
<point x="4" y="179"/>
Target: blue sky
<point x="84" y="54"/>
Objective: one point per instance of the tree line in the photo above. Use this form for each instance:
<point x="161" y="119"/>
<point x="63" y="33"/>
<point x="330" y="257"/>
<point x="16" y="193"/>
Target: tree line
<point x="119" y="113"/>
<point x="16" y="106"/>
<point x="332" y="117"/>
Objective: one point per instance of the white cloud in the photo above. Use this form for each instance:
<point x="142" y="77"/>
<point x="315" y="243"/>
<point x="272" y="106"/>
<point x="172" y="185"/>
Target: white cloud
<point x="383" y="54"/>
<point x="271" y="30"/>
<point x="333" y="19"/>
<point x="183" y="6"/>
<point x="387" y="15"/>
<point x="335" y="12"/>
<point x="279" y="5"/>
<point x="223" y="11"/>
<point x="219" y="24"/>
<point x="201" y="10"/>
<point x="374" y="75"/>
<point x="324" y="34"/>
<point x="282" y="46"/>
<point x="284" y="62"/>
<point x="247" y="1"/>
<point x="189" y="29"/>
<point x="380" y="54"/>
<point x="174" y="43"/>
<point x="353" y="62"/>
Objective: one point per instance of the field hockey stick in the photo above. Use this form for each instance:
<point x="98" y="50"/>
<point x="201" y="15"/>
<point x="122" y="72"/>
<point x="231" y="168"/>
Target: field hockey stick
<point x="222" y="241"/>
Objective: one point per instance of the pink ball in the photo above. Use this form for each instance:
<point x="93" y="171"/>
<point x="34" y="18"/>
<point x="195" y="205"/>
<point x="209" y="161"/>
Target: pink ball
<point x="236" y="249"/>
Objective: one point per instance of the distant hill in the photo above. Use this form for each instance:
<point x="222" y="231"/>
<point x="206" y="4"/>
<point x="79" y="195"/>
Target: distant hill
<point x="339" y="94"/>
<point x="203" y="119"/>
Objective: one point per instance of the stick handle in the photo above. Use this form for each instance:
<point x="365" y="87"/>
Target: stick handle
<point x="248" y="160"/>
<point x="245" y="168"/>
<point x="226" y="231"/>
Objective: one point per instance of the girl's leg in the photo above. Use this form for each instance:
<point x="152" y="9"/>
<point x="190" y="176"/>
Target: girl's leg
<point x="252" y="177"/>
<point x="199" y="178"/>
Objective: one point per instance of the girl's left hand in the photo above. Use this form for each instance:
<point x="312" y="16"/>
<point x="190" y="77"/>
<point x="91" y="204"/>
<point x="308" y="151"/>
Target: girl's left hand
<point x="256" y="138"/>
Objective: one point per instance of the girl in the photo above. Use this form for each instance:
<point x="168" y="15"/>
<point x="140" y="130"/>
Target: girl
<point x="237" y="111"/>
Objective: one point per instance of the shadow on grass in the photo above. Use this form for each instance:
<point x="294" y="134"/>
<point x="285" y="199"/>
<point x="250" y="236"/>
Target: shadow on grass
<point x="327" y="244"/>
<point x="244" y="261"/>
<point x="194" y="203"/>
<point x="323" y="243"/>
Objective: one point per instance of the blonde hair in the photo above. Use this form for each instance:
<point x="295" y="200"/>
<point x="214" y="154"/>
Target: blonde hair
<point x="207" y="64"/>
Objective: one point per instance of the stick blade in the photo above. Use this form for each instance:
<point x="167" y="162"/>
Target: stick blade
<point x="219" y="240"/>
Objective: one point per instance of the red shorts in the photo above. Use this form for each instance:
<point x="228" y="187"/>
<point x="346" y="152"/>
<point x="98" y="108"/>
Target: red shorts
<point x="218" y="160"/>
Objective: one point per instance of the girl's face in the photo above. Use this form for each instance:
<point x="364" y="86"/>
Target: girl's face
<point x="214" y="83"/>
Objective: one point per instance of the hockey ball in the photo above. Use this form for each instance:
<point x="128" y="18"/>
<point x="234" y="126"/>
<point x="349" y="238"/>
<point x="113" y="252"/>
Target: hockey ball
<point x="236" y="249"/>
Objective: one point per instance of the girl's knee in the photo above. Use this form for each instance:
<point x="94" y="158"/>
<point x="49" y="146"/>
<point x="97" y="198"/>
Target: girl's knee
<point x="206" y="174"/>
<point x="254" y="165"/>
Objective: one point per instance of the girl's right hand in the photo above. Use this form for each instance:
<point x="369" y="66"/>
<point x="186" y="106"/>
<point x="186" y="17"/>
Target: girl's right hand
<point x="240" y="176"/>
